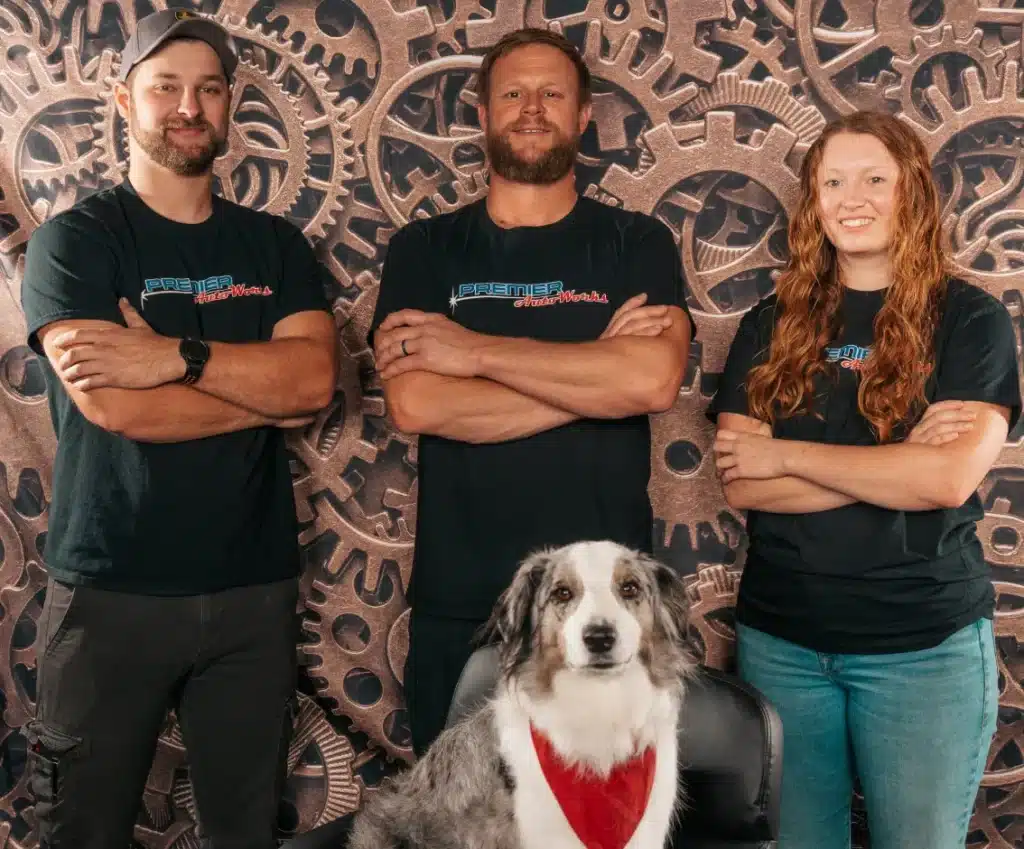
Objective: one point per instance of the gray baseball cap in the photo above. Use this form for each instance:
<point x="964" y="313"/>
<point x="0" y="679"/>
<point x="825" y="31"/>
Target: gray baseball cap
<point x="155" y="30"/>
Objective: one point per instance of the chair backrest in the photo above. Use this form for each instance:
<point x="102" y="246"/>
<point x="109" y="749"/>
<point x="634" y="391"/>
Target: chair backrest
<point x="730" y="744"/>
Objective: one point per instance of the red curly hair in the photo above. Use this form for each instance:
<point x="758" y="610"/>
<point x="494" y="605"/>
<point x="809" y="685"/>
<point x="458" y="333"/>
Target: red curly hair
<point x="810" y="293"/>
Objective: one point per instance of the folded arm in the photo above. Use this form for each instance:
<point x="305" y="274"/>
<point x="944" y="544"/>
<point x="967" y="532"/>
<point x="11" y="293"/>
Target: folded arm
<point x="907" y="476"/>
<point x="293" y="374"/>
<point x="607" y="378"/>
<point x="786" y="494"/>
<point x="169" y="413"/>
<point x="467" y="409"/>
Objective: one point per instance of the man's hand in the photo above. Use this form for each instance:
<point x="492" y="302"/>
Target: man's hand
<point x="412" y="340"/>
<point x="132" y="357"/>
<point x="749" y="455"/>
<point x="634" y="319"/>
<point x="942" y="422"/>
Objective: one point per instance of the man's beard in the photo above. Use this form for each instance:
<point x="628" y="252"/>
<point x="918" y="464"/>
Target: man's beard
<point x="549" y="167"/>
<point x="185" y="162"/>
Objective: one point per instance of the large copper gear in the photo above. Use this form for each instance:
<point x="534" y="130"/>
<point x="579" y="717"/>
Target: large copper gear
<point x="927" y="51"/>
<point x="267" y="128"/>
<point x="380" y="40"/>
<point x="442" y="143"/>
<point x="360" y="642"/>
<point x="870" y="28"/>
<point x="1005" y="106"/>
<point x="675" y="24"/>
<point x="56" y="88"/>
<point x="765" y="161"/>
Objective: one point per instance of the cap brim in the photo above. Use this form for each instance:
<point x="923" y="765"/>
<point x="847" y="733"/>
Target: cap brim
<point x="202" y="30"/>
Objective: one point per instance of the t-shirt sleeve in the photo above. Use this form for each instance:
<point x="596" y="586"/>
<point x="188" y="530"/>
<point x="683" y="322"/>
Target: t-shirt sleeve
<point x="745" y="352"/>
<point x="979" y="361"/>
<point x="71" y="273"/>
<point x="405" y="277"/>
<point x="653" y="266"/>
<point x="304" y="280"/>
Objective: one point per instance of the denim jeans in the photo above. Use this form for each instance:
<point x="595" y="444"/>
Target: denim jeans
<point x="914" y="727"/>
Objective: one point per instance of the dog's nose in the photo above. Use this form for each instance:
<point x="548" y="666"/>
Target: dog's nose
<point x="599" y="639"/>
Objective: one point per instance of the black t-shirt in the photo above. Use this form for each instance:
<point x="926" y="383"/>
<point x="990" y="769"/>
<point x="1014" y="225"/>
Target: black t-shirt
<point x="864" y="579"/>
<point x="168" y="518"/>
<point x="483" y="508"/>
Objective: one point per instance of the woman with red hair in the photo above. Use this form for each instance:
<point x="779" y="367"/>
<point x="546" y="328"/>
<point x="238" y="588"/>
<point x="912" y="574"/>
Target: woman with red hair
<point x="861" y="406"/>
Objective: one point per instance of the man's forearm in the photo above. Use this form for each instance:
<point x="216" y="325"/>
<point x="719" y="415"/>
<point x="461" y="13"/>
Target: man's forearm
<point x="279" y="378"/>
<point x="899" y="476"/>
<point x="471" y="410"/>
<point x="608" y="378"/>
<point x="783" y="495"/>
<point x="174" y="414"/>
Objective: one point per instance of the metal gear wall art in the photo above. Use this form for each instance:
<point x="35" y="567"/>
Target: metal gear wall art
<point x="353" y="117"/>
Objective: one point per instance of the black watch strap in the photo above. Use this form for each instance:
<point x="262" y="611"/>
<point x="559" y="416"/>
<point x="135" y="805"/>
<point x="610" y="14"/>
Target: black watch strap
<point x="195" y="353"/>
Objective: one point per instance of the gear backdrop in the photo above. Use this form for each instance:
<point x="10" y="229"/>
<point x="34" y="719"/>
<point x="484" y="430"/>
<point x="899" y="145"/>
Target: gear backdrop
<point x="351" y="118"/>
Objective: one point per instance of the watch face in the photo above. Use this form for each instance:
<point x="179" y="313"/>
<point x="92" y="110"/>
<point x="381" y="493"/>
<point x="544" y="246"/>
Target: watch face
<point x="193" y="349"/>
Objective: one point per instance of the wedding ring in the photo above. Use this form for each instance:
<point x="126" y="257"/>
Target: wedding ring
<point x="405" y="353"/>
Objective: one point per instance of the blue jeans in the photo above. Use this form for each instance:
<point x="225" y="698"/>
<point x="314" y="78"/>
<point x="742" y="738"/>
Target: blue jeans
<point x="914" y="727"/>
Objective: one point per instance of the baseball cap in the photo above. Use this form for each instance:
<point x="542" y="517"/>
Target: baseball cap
<point x="157" y="29"/>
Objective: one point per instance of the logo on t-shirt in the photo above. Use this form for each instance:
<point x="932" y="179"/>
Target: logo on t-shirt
<point x="848" y="356"/>
<point x="525" y="294"/>
<point x="218" y="288"/>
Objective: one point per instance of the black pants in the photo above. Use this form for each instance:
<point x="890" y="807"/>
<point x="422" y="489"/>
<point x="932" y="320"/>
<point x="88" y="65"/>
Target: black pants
<point x="438" y="649"/>
<point x="111" y="664"/>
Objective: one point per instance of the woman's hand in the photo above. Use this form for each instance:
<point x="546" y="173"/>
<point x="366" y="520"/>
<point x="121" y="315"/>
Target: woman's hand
<point x="749" y="455"/>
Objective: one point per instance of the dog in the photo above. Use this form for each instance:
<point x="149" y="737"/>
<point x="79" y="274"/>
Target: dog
<point x="578" y="745"/>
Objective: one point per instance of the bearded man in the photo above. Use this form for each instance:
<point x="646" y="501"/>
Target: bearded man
<point x="525" y="338"/>
<point x="180" y="334"/>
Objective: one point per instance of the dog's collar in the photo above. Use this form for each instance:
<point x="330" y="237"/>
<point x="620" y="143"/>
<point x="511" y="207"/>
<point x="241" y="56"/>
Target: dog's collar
<point x="603" y="812"/>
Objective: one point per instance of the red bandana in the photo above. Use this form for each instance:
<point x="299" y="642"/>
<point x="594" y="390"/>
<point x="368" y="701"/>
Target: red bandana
<point x="604" y="812"/>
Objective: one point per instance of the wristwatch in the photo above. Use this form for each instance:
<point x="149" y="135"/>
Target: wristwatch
<point x="195" y="353"/>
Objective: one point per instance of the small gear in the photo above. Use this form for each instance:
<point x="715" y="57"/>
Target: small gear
<point x="57" y="89"/>
<point x="713" y="590"/>
<point x="450" y="21"/>
<point x="1002" y="537"/>
<point x="628" y="70"/>
<point x="926" y="53"/>
<point x="1005" y="106"/>
<point x="654" y="190"/>
<point x="351" y="624"/>
<point x="22" y="576"/>
<point x="686" y="495"/>
<point x="26" y="31"/>
<point x="768" y="54"/>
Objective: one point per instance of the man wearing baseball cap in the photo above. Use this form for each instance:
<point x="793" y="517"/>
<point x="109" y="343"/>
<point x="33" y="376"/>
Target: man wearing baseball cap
<point x="180" y="335"/>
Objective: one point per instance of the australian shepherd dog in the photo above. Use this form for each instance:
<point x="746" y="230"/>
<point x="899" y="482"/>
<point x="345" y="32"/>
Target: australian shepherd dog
<point x="577" y="748"/>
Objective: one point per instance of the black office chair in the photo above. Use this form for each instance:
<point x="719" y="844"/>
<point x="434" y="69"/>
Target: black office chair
<point x="730" y="761"/>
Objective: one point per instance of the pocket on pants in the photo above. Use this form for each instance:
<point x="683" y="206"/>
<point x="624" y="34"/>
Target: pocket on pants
<point x="50" y="753"/>
<point x="55" y="619"/>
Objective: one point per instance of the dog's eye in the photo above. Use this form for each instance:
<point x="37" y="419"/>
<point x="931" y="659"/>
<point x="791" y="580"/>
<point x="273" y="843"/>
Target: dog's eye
<point x="562" y="595"/>
<point x="629" y="589"/>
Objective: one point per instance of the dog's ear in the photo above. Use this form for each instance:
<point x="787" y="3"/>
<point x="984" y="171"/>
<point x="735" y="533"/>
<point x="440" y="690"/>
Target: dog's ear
<point x="511" y="624"/>
<point x="674" y="601"/>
